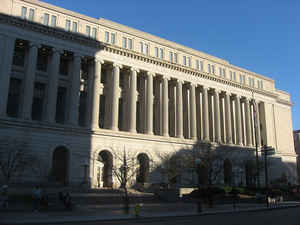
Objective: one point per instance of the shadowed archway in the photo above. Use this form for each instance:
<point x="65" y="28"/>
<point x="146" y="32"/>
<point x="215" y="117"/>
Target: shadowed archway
<point x="143" y="169"/>
<point x="60" y="165"/>
<point x="107" y="159"/>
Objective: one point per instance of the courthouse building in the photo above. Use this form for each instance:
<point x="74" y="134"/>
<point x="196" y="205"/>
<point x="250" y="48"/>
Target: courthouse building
<point x="79" y="89"/>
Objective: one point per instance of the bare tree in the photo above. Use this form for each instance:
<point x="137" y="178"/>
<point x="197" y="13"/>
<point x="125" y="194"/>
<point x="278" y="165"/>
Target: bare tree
<point x="15" y="157"/>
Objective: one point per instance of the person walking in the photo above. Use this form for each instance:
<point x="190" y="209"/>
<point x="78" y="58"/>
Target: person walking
<point x="36" y="196"/>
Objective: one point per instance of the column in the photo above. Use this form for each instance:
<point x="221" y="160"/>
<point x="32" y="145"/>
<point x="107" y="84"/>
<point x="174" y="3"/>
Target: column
<point x="53" y="85"/>
<point x="205" y="115"/>
<point x="115" y="95"/>
<point x="132" y="100"/>
<point x="228" y="119"/>
<point x="258" y="134"/>
<point x="248" y="123"/>
<point x="179" y="119"/>
<point x="193" y="120"/>
<point x="165" y="105"/>
<point x="29" y="81"/>
<point x="149" y="127"/>
<point x="238" y="120"/>
<point x="5" y="70"/>
<point x="217" y="117"/>
<point x="95" y="94"/>
<point x="75" y="90"/>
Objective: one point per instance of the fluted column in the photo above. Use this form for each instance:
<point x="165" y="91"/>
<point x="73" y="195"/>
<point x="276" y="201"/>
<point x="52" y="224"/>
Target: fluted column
<point x="179" y="119"/>
<point x="53" y="85"/>
<point x="258" y="134"/>
<point x="248" y="123"/>
<point x="75" y="90"/>
<point x="165" y="105"/>
<point x="7" y="48"/>
<point x="217" y="117"/>
<point x="149" y="95"/>
<point x="238" y="120"/>
<point x="29" y="81"/>
<point x="205" y="115"/>
<point x="228" y="119"/>
<point x="95" y="94"/>
<point x="193" y="120"/>
<point x="132" y="100"/>
<point x="115" y="95"/>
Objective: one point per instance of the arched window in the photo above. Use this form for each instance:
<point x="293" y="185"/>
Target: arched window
<point x="107" y="159"/>
<point x="143" y="170"/>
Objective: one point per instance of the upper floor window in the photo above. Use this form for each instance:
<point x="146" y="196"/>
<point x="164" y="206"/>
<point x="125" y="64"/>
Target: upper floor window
<point x="124" y="42"/>
<point x="232" y="76"/>
<point x="94" y="33"/>
<point x="53" y="21"/>
<point x="113" y="38"/>
<point x="156" y="52"/>
<point x="23" y="12"/>
<point x="171" y="56"/>
<point x="106" y="36"/>
<point x="189" y="61"/>
<point x="19" y="54"/>
<point x="251" y="81"/>
<point x="199" y="65"/>
<point x="68" y="25"/>
<point x="127" y="43"/>
<point x="260" y="84"/>
<point x="213" y="69"/>
<point x="184" y="60"/>
<point x="74" y="27"/>
<point x="144" y="48"/>
<point x="161" y="53"/>
<point x="110" y="37"/>
<point x="175" y="58"/>
<point x="88" y="31"/>
<point x="242" y="79"/>
<point x="222" y="72"/>
<point x="130" y="43"/>
<point x="46" y="19"/>
<point x="31" y="15"/>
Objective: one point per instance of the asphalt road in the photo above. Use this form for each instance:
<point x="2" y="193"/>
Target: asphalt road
<point x="289" y="216"/>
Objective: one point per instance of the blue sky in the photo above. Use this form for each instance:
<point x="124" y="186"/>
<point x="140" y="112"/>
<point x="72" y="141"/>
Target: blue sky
<point x="262" y="36"/>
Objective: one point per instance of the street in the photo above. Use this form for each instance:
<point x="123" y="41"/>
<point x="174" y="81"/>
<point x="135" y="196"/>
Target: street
<point x="272" y="217"/>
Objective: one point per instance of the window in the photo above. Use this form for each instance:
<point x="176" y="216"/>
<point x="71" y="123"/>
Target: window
<point x="64" y="65"/>
<point x="184" y="60"/>
<point x="130" y="43"/>
<point x="208" y="67"/>
<point x="68" y="25"/>
<point x="42" y="60"/>
<point x="175" y="57"/>
<point x="88" y="31"/>
<point x="74" y="27"/>
<point x="19" y="54"/>
<point x="242" y="79"/>
<point x="124" y="42"/>
<point x="146" y="49"/>
<point x="199" y="65"/>
<point x="156" y="52"/>
<point x="221" y="72"/>
<point x="171" y="56"/>
<point x="224" y="72"/>
<point x="113" y="38"/>
<point x="232" y="76"/>
<point x="38" y="101"/>
<point x="189" y="61"/>
<point x="60" y="104"/>
<point x="161" y="53"/>
<point x="260" y="84"/>
<point x="31" y="14"/>
<point x="106" y="36"/>
<point x="141" y="47"/>
<point x="46" y="19"/>
<point x="94" y="33"/>
<point x="213" y="69"/>
<point x="23" y="12"/>
<point x="13" y="101"/>
<point x="251" y="81"/>
<point x="53" y="21"/>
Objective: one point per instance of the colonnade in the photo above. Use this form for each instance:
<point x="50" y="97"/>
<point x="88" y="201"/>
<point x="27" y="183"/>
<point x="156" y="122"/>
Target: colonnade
<point x="171" y="106"/>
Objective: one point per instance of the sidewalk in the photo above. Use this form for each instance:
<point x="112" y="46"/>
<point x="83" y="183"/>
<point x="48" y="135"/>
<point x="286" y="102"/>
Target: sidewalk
<point x="115" y="212"/>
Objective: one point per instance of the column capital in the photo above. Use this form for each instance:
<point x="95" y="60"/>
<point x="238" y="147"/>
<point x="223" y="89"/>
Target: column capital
<point x="149" y="73"/>
<point x="57" y="50"/>
<point x="217" y="91"/>
<point x="133" y="69"/>
<point x="117" y="65"/>
<point x="98" y="60"/>
<point x="35" y="45"/>
<point x="180" y="81"/>
<point x="166" y="78"/>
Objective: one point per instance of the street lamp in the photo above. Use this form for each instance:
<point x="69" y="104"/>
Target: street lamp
<point x="198" y="168"/>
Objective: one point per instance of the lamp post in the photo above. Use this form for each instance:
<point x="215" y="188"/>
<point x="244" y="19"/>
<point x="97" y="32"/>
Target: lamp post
<point x="199" y="203"/>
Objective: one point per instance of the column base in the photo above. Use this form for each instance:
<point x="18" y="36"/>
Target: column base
<point x="179" y="136"/>
<point x="166" y="135"/>
<point x="149" y="133"/>
<point x="132" y="131"/>
<point x="114" y="128"/>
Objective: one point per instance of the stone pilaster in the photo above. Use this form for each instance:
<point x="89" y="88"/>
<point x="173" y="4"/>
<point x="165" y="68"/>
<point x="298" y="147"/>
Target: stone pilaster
<point x="205" y="115"/>
<point x="193" y="120"/>
<point x="165" y="105"/>
<point x="228" y="119"/>
<point x="238" y="120"/>
<point x="149" y="127"/>
<point x="248" y="123"/>
<point x="217" y="117"/>
<point x="179" y="119"/>
<point x="115" y="95"/>
<point x="258" y="134"/>
<point x="53" y="85"/>
<point x="29" y="81"/>
<point x="132" y="100"/>
<point x="7" y="49"/>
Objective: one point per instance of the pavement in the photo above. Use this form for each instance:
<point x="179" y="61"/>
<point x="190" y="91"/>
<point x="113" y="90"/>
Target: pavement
<point x="111" y="212"/>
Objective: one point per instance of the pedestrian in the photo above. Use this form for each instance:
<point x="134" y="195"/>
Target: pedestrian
<point x="67" y="201"/>
<point x="4" y="196"/>
<point x="36" y="196"/>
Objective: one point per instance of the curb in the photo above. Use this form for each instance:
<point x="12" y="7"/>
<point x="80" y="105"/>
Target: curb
<point x="148" y="218"/>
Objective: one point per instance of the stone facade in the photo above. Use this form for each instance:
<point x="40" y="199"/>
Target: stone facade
<point x="93" y="87"/>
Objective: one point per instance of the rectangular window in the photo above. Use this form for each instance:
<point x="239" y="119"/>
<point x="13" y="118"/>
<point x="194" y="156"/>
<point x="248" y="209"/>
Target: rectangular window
<point x="113" y="38"/>
<point x="31" y="14"/>
<point x="124" y="42"/>
<point x="197" y="64"/>
<point x="141" y="47"/>
<point x="38" y="101"/>
<point x="74" y="27"/>
<point x="14" y="94"/>
<point x="234" y="76"/>
<point x="53" y="21"/>
<point x="220" y="72"/>
<point x="146" y="49"/>
<point x="23" y="12"/>
<point x="184" y="60"/>
<point x="213" y="69"/>
<point x="224" y="73"/>
<point x="42" y="60"/>
<point x="156" y="52"/>
<point x="68" y="25"/>
<point x="161" y="53"/>
<point x="19" y="55"/>
<point x="189" y="61"/>
<point x="60" y="104"/>
<point x="171" y="56"/>
<point x="106" y="36"/>
<point x="46" y="19"/>
<point x="175" y="57"/>
<point x="88" y="31"/>
<point x="130" y="43"/>
<point x="201" y="65"/>
<point x="94" y="33"/>
<point x="64" y="66"/>
<point x="208" y="67"/>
